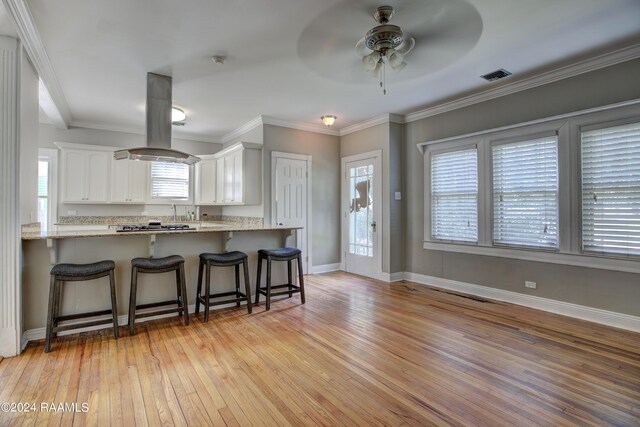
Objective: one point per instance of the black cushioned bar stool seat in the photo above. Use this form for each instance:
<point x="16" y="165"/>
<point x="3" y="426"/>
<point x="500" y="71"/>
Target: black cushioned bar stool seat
<point x="281" y="254"/>
<point x="154" y="266"/>
<point x="61" y="273"/>
<point x="225" y="259"/>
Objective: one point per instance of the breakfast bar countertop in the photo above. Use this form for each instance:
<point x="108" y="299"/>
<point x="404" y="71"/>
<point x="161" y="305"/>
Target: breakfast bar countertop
<point x="61" y="233"/>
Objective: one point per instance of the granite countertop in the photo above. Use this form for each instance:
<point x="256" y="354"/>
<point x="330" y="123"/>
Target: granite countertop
<point x="111" y="232"/>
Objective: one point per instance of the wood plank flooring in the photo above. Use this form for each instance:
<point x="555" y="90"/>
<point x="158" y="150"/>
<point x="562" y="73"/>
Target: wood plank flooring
<point x="360" y="352"/>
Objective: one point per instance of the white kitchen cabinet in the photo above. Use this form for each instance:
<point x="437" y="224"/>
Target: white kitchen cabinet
<point x="129" y="180"/>
<point x="230" y="177"/>
<point x="219" y="183"/>
<point x="205" y="185"/>
<point x="85" y="175"/>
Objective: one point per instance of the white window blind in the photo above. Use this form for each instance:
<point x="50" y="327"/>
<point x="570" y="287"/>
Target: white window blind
<point x="169" y="180"/>
<point x="611" y="190"/>
<point x="454" y="196"/>
<point x="525" y="193"/>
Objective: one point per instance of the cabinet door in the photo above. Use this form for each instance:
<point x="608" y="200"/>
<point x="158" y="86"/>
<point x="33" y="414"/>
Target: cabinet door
<point x="228" y="179"/>
<point x="97" y="176"/>
<point x="138" y="181"/>
<point x="207" y="181"/>
<point x="120" y="181"/>
<point x="220" y="180"/>
<point x="73" y="176"/>
<point x="238" y="178"/>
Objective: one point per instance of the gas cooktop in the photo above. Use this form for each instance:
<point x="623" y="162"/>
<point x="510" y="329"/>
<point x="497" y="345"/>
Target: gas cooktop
<point x="152" y="227"/>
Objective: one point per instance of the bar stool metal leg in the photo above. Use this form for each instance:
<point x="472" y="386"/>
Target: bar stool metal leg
<point x="290" y="277"/>
<point x="259" y="279"/>
<point x="132" y="300"/>
<point x="247" y="285"/>
<point x="199" y="289"/>
<point x="114" y="303"/>
<point x="184" y="301"/>
<point x="237" y="268"/>
<point x="207" y="292"/>
<point x="301" y="279"/>
<point x="52" y="299"/>
<point x="268" y="283"/>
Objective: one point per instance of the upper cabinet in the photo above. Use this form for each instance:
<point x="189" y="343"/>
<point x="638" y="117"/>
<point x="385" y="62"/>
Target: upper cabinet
<point x="205" y="189"/>
<point x="129" y="181"/>
<point x="230" y="177"/>
<point x="85" y="175"/>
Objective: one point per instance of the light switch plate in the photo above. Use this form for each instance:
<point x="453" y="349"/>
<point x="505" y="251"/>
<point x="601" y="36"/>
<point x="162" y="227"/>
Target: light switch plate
<point x="398" y="195"/>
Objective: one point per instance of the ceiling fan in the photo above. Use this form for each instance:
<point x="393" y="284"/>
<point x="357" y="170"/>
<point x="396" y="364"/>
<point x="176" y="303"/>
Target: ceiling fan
<point x="383" y="45"/>
<point x="430" y="35"/>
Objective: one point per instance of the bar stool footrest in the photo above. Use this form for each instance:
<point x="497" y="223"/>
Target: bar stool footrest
<point x="82" y="315"/>
<point x="292" y="288"/>
<point x="240" y="297"/>
<point x="159" y="312"/>
<point x="61" y="328"/>
<point x="157" y="304"/>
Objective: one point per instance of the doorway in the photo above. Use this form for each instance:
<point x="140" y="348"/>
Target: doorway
<point x="362" y="214"/>
<point x="291" y="198"/>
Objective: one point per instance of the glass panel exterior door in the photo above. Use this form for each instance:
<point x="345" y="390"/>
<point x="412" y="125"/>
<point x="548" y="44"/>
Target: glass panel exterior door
<point x="360" y="217"/>
<point x="361" y="221"/>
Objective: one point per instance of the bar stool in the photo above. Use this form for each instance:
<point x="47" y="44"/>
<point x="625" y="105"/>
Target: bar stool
<point x="61" y="273"/>
<point x="155" y="266"/>
<point x="227" y="259"/>
<point x="283" y="254"/>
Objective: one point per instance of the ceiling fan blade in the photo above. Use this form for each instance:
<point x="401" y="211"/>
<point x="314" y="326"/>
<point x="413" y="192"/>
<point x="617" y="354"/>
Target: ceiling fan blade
<point x="406" y="46"/>
<point x="361" y="49"/>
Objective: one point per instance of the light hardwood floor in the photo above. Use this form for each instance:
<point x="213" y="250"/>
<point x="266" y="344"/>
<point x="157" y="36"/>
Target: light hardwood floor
<point x="360" y="352"/>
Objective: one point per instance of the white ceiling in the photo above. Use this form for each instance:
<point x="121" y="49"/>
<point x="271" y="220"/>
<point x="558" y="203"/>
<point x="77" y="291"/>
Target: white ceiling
<point x="294" y="59"/>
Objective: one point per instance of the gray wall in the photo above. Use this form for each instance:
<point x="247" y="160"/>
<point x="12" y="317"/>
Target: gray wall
<point x="29" y="109"/>
<point x="608" y="290"/>
<point x="325" y="218"/>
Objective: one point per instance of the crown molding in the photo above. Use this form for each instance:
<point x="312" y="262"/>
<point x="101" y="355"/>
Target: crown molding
<point x="250" y="125"/>
<point x="592" y="64"/>
<point x="378" y="120"/>
<point x="309" y="127"/>
<point x="141" y="131"/>
<point x="32" y="43"/>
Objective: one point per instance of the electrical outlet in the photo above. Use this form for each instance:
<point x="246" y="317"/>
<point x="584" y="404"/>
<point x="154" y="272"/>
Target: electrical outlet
<point x="72" y="213"/>
<point x="531" y="285"/>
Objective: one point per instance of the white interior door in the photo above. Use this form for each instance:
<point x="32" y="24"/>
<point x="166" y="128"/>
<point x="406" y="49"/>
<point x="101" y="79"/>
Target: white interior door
<point x="362" y="216"/>
<point x="291" y="178"/>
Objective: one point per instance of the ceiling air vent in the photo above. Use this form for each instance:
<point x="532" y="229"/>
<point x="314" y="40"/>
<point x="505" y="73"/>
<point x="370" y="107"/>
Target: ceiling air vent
<point x="496" y="75"/>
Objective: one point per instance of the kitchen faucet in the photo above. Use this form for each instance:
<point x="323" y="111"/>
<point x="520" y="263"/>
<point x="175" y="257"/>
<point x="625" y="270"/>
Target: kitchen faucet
<point x="175" y="212"/>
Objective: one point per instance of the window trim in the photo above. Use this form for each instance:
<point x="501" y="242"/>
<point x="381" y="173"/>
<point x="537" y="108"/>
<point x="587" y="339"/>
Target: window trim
<point x="525" y="137"/>
<point x="568" y="128"/>
<point x="445" y="150"/>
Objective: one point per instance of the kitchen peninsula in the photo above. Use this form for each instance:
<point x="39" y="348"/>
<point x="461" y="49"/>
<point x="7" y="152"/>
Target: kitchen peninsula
<point x="90" y="243"/>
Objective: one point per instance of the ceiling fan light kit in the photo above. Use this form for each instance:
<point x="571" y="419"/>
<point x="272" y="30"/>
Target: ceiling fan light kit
<point x="388" y="45"/>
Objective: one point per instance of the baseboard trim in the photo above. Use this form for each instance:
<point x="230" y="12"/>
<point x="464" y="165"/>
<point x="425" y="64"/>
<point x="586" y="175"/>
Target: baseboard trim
<point x="326" y="268"/>
<point x="609" y="318"/>
<point x="123" y="320"/>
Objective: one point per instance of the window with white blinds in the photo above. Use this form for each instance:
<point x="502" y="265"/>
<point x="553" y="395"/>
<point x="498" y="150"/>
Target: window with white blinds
<point x="169" y="181"/>
<point x="611" y="190"/>
<point x="454" y="196"/>
<point x="525" y="193"/>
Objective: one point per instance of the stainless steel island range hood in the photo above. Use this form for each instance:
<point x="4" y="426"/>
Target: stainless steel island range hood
<point x="158" y="147"/>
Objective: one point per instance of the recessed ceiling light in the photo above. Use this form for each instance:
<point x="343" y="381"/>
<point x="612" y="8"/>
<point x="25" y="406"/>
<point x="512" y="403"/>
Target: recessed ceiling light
<point x="328" y="120"/>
